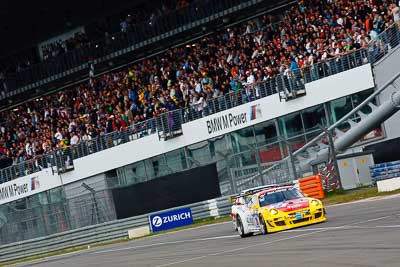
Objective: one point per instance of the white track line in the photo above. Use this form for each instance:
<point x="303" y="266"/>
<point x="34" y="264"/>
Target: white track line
<point x="242" y="248"/>
<point x="166" y="243"/>
<point x="371" y="199"/>
<point x="182" y="261"/>
<point x="270" y="242"/>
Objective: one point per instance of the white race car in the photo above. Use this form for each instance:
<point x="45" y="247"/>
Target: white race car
<point x="241" y="200"/>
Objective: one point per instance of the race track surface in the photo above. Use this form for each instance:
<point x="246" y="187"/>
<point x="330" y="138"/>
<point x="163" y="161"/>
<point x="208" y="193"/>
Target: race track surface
<point x="358" y="234"/>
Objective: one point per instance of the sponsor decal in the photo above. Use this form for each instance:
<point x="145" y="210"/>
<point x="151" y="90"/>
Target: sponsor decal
<point x="35" y="184"/>
<point x="232" y="119"/>
<point x="279" y="205"/>
<point x="255" y="112"/>
<point x="157" y="221"/>
<point x="18" y="190"/>
<point x="226" y="121"/>
<point x="170" y="219"/>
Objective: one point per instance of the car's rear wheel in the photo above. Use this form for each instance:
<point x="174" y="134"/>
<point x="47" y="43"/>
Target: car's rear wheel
<point x="240" y="228"/>
<point x="263" y="226"/>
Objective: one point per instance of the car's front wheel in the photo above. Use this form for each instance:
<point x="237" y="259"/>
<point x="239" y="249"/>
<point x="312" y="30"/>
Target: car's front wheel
<point x="240" y="228"/>
<point x="263" y="226"/>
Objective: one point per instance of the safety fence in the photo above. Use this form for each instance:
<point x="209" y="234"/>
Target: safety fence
<point x="103" y="232"/>
<point x="51" y="212"/>
<point x="384" y="43"/>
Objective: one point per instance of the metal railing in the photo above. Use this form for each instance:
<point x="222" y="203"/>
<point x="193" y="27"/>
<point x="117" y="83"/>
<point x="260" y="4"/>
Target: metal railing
<point x="114" y="45"/>
<point x="169" y="124"/>
<point x="58" y="161"/>
<point x="384" y="43"/>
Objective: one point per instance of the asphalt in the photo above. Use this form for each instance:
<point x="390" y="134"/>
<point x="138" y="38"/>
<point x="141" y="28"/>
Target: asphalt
<point x="359" y="234"/>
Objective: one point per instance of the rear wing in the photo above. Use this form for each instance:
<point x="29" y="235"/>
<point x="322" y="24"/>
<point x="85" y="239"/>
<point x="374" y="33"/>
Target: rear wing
<point x="255" y="190"/>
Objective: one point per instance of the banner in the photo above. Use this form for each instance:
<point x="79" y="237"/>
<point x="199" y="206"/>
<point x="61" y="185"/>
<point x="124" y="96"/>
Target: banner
<point x="28" y="185"/>
<point x="170" y="219"/>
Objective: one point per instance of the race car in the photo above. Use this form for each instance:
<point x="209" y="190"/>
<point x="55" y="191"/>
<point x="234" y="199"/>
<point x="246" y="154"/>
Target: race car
<point x="240" y="200"/>
<point x="276" y="209"/>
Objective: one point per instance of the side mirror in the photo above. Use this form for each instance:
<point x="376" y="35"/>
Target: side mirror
<point x="306" y="195"/>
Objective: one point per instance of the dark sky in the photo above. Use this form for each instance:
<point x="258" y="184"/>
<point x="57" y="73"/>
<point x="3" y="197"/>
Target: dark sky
<point x="26" y="22"/>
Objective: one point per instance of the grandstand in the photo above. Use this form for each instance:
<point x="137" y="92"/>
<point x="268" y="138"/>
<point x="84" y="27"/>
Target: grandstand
<point x="212" y="108"/>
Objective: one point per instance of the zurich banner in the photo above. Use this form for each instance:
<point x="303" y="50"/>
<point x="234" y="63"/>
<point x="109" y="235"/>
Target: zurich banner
<point x="170" y="219"/>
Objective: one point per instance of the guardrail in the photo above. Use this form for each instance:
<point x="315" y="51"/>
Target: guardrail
<point x="104" y="232"/>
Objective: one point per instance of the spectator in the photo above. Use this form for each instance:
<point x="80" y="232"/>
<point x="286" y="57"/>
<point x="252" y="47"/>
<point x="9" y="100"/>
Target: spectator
<point x="74" y="139"/>
<point x="396" y="13"/>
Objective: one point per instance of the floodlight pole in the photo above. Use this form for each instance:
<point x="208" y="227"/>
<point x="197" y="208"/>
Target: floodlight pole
<point x="291" y="158"/>
<point x="93" y="193"/>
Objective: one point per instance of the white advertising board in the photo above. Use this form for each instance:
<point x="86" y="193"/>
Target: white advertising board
<point x="28" y="185"/>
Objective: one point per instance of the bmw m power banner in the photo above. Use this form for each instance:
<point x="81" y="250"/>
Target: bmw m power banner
<point x="170" y="219"/>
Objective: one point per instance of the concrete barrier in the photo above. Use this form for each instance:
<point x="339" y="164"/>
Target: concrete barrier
<point x="138" y="232"/>
<point x="388" y="185"/>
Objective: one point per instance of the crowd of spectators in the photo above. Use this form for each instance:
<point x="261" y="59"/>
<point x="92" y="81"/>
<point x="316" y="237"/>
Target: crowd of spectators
<point x="132" y="17"/>
<point x="52" y="50"/>
<point x="187" y="76"/>
<point x="149" y="12"/>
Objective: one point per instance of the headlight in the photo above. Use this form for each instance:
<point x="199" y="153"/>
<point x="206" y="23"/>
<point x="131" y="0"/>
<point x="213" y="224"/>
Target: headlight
<point x="315" y="203"/>
<point x="273" y="211"/>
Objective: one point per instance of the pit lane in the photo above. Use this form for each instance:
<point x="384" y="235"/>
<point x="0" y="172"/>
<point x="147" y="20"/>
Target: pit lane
<point x="366" y="233"/>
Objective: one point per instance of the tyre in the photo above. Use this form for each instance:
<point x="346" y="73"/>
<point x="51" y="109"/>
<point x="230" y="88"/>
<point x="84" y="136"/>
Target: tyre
<point x="263" y="226"/>
<point x="234" y="222"/>
<point x="240" y="228"/>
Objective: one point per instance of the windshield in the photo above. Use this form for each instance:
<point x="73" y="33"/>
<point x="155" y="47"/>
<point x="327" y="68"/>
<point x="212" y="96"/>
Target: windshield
<point x="279" y="196"/>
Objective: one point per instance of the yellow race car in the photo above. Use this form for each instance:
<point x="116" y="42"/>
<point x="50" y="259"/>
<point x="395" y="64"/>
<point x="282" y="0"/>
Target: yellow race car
<point x="278" y="209"/>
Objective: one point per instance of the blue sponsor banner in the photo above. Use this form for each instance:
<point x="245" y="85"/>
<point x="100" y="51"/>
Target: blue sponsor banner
<point x="170" y="219"/>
